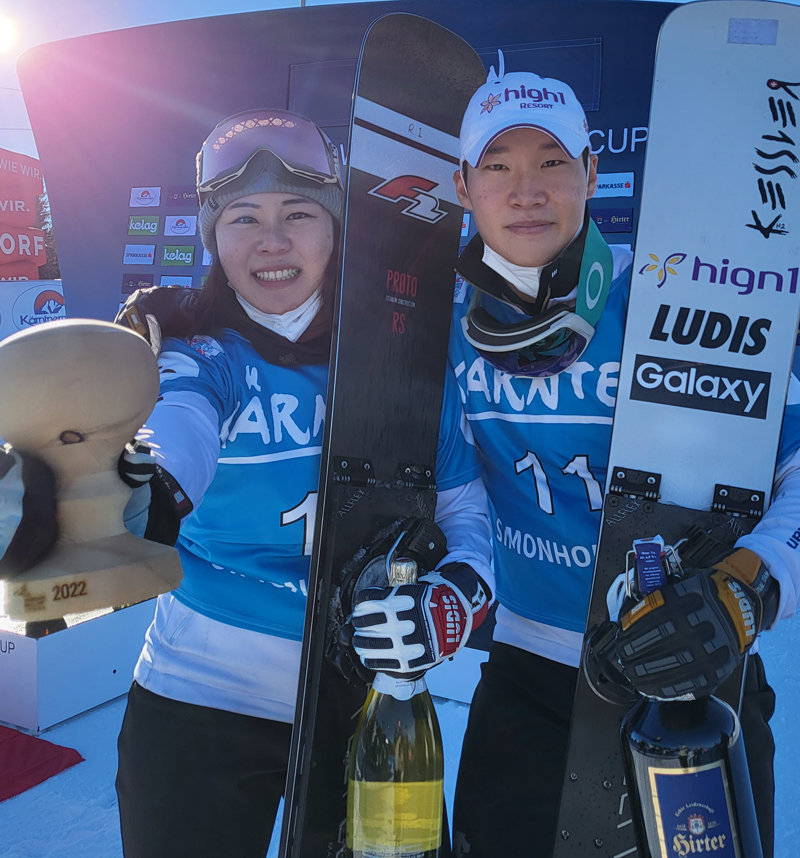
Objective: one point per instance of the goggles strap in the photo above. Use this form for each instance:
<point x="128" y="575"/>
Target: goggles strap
<point x="594" y="281"/>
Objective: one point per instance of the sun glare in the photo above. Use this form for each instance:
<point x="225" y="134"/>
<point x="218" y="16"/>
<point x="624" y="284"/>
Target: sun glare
<point x="8" y="34"/>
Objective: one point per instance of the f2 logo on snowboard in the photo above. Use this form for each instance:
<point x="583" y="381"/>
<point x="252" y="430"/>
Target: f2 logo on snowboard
<point x="413" y="190"/>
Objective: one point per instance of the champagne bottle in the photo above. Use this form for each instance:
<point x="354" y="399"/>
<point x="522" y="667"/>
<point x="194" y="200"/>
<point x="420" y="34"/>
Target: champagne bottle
<point x="688" y="780"/>
<point x="395" y="796"/>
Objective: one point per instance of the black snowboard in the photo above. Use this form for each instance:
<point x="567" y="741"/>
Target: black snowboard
<point x="401" y="235"/>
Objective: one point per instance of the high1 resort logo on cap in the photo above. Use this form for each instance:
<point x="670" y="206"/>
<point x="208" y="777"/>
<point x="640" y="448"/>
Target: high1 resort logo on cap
<point x="542" y="98"/>
<point x="520" y="100"/>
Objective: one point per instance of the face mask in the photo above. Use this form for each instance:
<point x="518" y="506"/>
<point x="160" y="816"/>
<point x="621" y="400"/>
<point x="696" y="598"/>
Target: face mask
<point x="289" y="325"/>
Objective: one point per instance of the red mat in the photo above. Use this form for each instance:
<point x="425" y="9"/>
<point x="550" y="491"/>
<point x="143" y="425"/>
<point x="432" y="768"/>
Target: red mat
<point x="26" y="761"/>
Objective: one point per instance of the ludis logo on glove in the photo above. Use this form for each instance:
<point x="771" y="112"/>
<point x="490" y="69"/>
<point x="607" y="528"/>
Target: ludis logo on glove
<point x="706" y="387"/>
<point x="739" y="606"/>
<point x="178" y="254"/>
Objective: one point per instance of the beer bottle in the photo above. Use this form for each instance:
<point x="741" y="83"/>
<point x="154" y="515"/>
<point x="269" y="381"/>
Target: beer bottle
<point x="688" y="780"/>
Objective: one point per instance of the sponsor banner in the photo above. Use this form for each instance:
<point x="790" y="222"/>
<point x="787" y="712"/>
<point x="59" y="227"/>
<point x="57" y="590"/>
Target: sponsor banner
<point x="143" y="224"/>
<point x="207" y="257"/>
<point x="614" y="220"/>
<point x="19" y="271"/>
<point x="465" y="222"/>
<point x="173" y="280"/>
<point x="31" y="303"/>
<point x="132" y="282"/>
<point x="145" y="197"/>
<point x="20" y="171"/>
<point x="21" y="244"/>
<point x="178" y="254"/>
<point x="614" y="185"/>
<point x="181" y="195"/>
<point x="17" y="204"/>
<point x="180" y="225"/>
<point x="139" y="254"/>
<point x="705" y="387"/>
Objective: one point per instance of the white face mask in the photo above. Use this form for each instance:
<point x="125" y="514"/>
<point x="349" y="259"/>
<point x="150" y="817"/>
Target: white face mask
<point x="523" y="278"/>
<point x="289" y="325"/>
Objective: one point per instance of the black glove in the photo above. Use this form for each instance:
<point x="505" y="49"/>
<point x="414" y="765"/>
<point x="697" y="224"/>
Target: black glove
<point x="412" y="627"/>
<point x="159" y="311"/>
<point x="168" y="503"/>
<point x="28" y="524"/>
<point x="689" y="636"/>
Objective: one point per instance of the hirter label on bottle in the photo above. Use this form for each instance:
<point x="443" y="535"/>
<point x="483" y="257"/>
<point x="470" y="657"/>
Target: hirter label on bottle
<point x="693" y="812"/>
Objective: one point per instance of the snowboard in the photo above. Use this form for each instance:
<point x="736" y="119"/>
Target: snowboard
<point x="708" y="344"/>
<point x="401" y="233"/>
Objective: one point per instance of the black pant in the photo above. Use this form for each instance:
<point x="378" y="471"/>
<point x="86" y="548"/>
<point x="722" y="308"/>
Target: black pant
<point x="758" y="706"/>
<point x="515" y="746"/>
<point x="195" y="781"/>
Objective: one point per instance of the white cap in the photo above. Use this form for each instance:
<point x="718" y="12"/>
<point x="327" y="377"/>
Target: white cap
<point x="521" y="100"/>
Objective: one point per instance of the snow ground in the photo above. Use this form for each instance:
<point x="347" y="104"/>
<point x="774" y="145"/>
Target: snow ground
<point x="74" y="814"/>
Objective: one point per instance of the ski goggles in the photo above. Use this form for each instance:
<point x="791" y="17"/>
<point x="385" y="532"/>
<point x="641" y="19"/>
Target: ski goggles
<point x="535" y="347"/>
<point x="294" y="140"/>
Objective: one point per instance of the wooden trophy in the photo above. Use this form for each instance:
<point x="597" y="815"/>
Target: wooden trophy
<point x="74" y="392"/>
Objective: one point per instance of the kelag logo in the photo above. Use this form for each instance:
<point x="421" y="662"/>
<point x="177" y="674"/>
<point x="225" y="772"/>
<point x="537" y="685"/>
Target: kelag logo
<point x="143" y="225"/>
<point x="706" y="387"/>
<point x="175" y="254"/>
